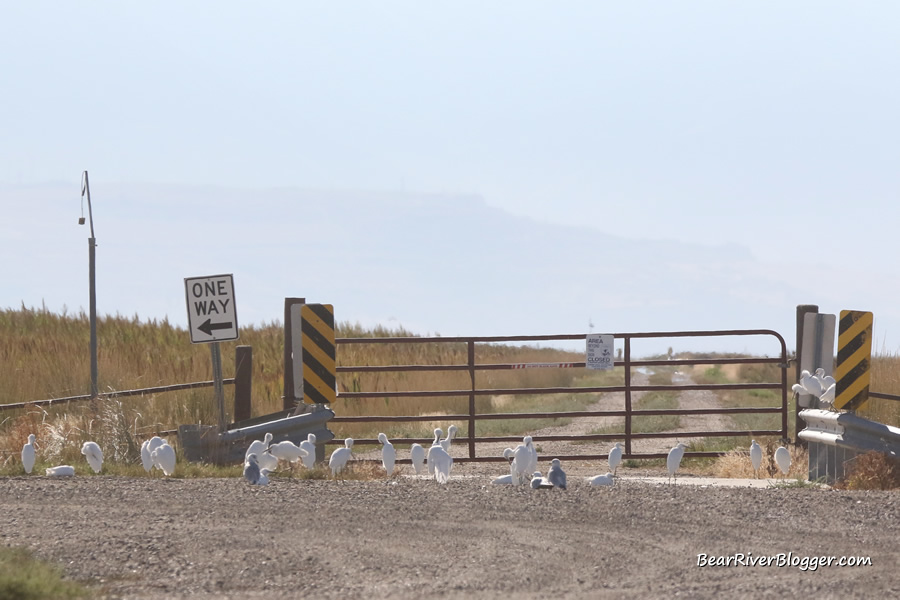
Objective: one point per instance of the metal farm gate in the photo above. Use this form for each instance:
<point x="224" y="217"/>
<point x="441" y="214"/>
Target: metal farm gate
<point x="629" y="365"/>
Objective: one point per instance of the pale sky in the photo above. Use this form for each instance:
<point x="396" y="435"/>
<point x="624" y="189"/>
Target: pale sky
<point x="771" y="125"/>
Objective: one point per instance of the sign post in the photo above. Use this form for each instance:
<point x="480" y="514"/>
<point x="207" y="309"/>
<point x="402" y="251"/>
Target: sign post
<point x="212" y="317"/>
<point x="599" y="351"/>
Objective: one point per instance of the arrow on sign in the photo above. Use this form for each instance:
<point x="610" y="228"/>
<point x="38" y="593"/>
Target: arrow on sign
<point x="207" y="326"/>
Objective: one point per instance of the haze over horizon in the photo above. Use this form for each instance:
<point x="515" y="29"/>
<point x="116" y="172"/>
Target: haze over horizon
<point x="648" y="167"/>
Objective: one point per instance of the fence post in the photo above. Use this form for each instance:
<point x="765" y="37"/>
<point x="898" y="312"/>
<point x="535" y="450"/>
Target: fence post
<point x="243" y="382"/>
<point x="627" y="395"/>
<point x="802" y="309"/>
<point x="288" y="399"/>
<point x="471" y="345"/>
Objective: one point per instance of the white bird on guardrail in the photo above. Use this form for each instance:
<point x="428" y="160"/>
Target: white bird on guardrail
<point x="756" y="454"/>
<point x="28" y="454"/>
<point x="615" y="457"/>
<point x="811" y="383"/>
<point x="388" y="455"/>
<point x="94" y="455"/>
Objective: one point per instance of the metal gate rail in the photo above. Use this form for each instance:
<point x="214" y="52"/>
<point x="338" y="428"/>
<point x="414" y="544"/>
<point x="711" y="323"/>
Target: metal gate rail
<point x="472" y="416"/>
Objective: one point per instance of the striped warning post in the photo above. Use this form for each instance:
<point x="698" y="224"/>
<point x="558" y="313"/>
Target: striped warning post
<point x="854" y="357"/>
<point x="317" y="329"/>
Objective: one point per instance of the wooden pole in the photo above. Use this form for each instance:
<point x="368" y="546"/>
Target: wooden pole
<point x="288" y="399"/>
<point x="243" y="382"/>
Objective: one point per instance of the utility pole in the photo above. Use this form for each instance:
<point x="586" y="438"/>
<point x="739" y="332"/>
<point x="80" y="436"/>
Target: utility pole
<point x="92" y="271"/>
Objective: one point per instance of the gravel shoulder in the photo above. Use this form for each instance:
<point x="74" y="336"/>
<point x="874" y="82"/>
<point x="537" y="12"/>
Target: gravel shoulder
<point x="409" y="538"/>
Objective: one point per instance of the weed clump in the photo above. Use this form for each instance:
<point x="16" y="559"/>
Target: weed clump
<point x="871" y="471"/>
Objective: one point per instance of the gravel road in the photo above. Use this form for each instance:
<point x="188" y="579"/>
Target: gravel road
<point x="411" y="538"/>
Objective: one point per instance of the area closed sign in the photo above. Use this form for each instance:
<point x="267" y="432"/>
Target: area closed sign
<point x="212" y="315"/>
<point x="599" y="351"/>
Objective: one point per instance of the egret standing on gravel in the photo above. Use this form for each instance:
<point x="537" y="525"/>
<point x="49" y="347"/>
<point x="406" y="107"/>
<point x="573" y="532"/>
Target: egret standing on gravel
<point x="441" y="461"/>
<point x="673" y="461"/>
<point x="755" y="457"/>
<point x="388" y="455"/>
<point x="339" y="458"/>
<point x="783" y="459"/>
<point x="417" y="454"/>
<point x="436" y="442"/>
<point x="94" y="455"/>
<point x="309" y="444"/>
<point x="28" y="454"/>
<point x="287" y="451"/>
<point x="164" y="458"/>
<point x="147" y="449"/>
<point x="451" y="433"/>
<point x="556" y="476"/>
<point x="615" y="457"/>
<point x="261" y="449"/>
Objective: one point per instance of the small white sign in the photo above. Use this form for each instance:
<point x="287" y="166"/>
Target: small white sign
<point x="212" y="315"/>
<point x="599" y="354"/>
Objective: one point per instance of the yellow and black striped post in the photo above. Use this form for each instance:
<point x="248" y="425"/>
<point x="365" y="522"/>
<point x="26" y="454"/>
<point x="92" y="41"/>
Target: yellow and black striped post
<point x="317" y="328"/>
<point x="853" y="360"/>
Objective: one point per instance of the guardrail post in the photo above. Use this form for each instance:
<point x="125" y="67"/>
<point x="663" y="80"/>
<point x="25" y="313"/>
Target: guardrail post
<point x="802" y="309"/>
<point x="288" y="400"/>
<point x="471" y="345"/>
<point x="243" y="382"/>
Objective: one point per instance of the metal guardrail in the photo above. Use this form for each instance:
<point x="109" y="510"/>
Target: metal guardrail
<point x="629" y="388"/>
<point x="836" y="438"/>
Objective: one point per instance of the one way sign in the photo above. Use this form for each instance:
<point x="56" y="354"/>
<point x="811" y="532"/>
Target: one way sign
<point x="212" y="315"/>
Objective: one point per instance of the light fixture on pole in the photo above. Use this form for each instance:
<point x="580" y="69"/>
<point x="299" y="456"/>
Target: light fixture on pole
<point x="92" y="244"/>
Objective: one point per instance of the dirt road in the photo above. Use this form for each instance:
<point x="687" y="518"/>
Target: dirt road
<point x="217" y="538"/>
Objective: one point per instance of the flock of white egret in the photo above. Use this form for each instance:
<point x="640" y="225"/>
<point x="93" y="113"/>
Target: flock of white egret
<point x="817" y="384"/>
<point x="262" y="458"/>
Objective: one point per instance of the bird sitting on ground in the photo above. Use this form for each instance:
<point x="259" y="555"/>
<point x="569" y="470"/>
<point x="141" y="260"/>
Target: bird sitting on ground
<point x="28" y="454"/>
<point x="536" y="480"/>
<point x="251" y="470"/>
<point x="602" y="480"/>
<point x="60" y="471"/>
<point x="556" y="476"/>
<point x="94" y="455"/>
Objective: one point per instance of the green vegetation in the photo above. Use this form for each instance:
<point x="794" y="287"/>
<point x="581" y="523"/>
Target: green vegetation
<point x="23" y="577"/>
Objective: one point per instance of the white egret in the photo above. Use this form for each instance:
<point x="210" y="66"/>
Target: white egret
<point x="28" y="454"/>
<point x="286" y="451"/>
<point x="94" y="455"/>
<point x="536" y="480"/>
<point x="615" y="457"/>
<point x="510" y="455"/>
<point x="602" y="480"/>
<point x="532" y="456"/>
<point x="522" y="462"/>
<point x="437" y="442"/>
<point x="260" y="449"/>
<point x="756" y="454"/>
<point x="673" y="461"/>
<point x="164" y="458"/>
<point x="451" y="433"/>
<point x="556" y="476"/>
<point x="147" y="449"/>
<point x="309" y="444"/>
<point x="827" y="397"/>
<point x="339" y="458"/>
<point x="783" y="459"/>
<point x="812" y="385"/>
<point x="251" y="470"/>
<point x="441" y="461"/>
<point x="388" y="455"/>
<point x="60" y="471"/>
<point x="417" y="454"/>
<point x="504" y="480"/>
<point x="824" y="380"/>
